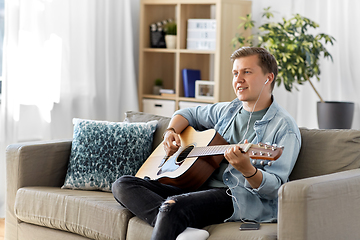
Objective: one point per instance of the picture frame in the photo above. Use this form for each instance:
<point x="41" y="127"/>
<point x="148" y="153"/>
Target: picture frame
<point x="204" y="89"/>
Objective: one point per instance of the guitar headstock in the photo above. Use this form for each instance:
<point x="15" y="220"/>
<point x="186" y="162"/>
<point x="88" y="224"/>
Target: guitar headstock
<point x="264" y="152"/>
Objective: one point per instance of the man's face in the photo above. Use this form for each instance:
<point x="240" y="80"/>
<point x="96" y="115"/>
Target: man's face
<point x="248" y="79"/>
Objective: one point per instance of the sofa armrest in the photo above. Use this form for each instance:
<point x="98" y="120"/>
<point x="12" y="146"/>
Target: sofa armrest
<point x="323" y="207"/>
<point x="33" y="164"/>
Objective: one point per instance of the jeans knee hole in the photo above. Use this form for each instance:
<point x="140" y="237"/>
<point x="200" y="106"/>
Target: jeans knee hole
<point x="165" y="207"/>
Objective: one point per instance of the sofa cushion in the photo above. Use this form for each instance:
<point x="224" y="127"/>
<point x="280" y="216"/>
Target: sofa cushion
<point x="327" y="151"/>
<point x="92" y="214"/>
<point x="163" y="122"/>
<point x="103" y="151"/>
<point x="228" y="231"/>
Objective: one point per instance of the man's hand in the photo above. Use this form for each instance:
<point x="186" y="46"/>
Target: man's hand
<point x="241" y="162"/>
<point x="171" y="142"/>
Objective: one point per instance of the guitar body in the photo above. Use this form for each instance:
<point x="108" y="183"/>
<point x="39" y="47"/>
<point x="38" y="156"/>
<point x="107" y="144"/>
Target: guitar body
<point x="180" y="171"/>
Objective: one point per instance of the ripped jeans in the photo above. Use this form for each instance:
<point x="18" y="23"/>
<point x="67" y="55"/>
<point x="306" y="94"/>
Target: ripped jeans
<point x="169" y="209"/>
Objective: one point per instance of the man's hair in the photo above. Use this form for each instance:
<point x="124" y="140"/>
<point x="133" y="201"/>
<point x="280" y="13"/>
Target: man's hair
<point x="267" y="61"/>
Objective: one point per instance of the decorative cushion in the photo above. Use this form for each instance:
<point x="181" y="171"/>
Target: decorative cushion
<point x="103" y="151"/>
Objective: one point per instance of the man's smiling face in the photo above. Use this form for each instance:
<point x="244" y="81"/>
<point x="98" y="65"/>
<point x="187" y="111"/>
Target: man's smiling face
<point x="248" y="79"/>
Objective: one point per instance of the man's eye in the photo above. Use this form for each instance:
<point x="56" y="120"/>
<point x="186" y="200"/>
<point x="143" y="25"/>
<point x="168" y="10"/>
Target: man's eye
<point x="235" y="74"/>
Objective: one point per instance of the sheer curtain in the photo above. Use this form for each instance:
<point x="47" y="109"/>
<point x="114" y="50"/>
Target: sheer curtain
<point x="338" y="81"/>
<point x="65" y="59"/>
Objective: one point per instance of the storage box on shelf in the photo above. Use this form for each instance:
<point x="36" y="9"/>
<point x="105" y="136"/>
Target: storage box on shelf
<point x="167" y="64"/>
<point x="201" y="34"/>
<point x="159" y="107"/>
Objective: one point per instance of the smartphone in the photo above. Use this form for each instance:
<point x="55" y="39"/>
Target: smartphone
<point x="249" y="226"/>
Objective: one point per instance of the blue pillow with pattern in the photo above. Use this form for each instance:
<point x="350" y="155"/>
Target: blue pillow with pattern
<point x="103" y="151"/>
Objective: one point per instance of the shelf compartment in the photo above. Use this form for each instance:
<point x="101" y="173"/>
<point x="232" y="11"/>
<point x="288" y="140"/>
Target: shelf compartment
<point x="202" y="62"/>
<point x="191" y="11"/>
<point x="153" y="13"/>
<point x="158" y="65"/>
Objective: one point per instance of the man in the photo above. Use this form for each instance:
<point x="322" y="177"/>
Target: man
<point x="238" y="190"/>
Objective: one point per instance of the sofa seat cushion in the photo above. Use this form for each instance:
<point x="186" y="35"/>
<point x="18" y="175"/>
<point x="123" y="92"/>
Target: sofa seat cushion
<point x="228" y="231"/>
<point x="92" y="214"/>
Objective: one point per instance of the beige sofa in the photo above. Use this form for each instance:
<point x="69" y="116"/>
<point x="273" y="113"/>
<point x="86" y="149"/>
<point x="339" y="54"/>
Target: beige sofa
<point x="322" y="200"/>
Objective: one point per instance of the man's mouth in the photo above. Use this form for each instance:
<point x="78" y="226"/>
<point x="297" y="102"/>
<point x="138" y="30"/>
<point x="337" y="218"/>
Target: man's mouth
<point x="241" y="88"/>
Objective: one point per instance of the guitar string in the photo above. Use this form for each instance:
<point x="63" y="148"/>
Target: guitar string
<point x="228" y="191"/>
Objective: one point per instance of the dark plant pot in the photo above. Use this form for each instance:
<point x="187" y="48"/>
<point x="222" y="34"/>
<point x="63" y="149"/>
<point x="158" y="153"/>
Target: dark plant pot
<point x="335" y="115"/>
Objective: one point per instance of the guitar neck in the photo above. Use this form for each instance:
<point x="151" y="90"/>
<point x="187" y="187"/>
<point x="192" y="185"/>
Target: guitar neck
<point x="216" y="150"/>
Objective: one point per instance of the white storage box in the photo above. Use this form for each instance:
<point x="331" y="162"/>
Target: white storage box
<point x="183" y="104"/>
<point x="196" y="24"/>
<point x="201" y="34"/>
<point x="159" y="107"/>
<point x="201" y="44"/>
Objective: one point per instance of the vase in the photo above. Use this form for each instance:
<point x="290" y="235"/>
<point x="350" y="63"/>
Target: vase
<point x="335" y="115"/>
<point x="170" y="41"/>
<point x="156" y="89"/>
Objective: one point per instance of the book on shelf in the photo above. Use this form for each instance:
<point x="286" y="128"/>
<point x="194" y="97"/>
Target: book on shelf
<point x="167" y="91"/>
<point x="189" y="78"/>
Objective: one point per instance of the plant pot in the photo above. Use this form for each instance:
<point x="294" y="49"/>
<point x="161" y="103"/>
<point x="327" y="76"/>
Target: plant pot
<point x="170" y="41"/>
<point x="156" y="90"/>
<point x="335" y="115"/>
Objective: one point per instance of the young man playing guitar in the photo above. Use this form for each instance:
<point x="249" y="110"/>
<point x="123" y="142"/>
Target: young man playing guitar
<point x="237" y="190"/>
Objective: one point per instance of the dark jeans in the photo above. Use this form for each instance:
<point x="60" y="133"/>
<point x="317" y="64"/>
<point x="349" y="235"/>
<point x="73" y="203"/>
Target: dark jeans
<point x="169" y="209"/>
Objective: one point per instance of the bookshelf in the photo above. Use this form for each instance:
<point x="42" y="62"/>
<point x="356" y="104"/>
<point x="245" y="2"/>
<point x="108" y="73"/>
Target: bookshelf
<point x="167" y="64"/>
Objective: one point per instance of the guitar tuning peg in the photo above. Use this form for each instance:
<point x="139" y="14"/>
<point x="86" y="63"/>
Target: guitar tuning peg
<point x="269" y="164"/>
<point x="268" y="143"/>
<point x="274" y="145"/>
<point x="253" y="162"/>
<point x="262" y="163"/>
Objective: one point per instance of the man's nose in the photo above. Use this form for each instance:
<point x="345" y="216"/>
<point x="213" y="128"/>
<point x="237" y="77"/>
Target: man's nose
<point x="239" y="78"/>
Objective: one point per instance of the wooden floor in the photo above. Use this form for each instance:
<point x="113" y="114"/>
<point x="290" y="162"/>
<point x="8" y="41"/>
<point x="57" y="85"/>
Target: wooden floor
<point x="2" y="228"/>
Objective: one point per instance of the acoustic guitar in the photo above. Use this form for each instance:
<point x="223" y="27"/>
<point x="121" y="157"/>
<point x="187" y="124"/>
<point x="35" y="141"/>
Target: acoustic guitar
<point x="197" y="158"/>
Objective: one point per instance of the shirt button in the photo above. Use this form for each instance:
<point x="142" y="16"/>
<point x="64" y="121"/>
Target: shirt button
<point x="226" y="179"/>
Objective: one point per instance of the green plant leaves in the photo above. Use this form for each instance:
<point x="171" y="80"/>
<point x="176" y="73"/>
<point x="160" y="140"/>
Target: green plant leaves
<point x="295" y="48"/>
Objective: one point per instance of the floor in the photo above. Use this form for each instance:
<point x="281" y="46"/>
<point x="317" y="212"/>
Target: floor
<point x="2" y="228"/>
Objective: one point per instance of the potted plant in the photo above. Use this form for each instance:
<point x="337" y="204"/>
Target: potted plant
<point x="170" y="35"/>
<point x="158" y="84"/>
<point x="297" y="52"/>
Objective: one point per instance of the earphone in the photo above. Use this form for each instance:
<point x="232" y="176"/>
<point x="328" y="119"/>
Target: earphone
<point x="228" y="191"/>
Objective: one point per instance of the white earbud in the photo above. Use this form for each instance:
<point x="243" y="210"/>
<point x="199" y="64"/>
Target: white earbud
<point x="267" y="80"/>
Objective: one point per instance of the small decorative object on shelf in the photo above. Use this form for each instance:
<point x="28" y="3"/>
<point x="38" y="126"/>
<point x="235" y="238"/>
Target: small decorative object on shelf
<point x="204" y="90"/>
<point x="170" y="34"/>
<point x="157" y="34"/>
<point x="201" y="34"/>
<point x="167" y="92"/>
<point x="157" y="86"/>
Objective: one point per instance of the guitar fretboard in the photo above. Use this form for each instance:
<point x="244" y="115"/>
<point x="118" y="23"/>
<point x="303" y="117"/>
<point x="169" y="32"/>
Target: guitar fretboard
<point x="215" y="150"/>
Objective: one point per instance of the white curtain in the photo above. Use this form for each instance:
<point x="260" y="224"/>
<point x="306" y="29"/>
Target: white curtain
<point x="338" y="81"/>
<point x="65" y="59"/>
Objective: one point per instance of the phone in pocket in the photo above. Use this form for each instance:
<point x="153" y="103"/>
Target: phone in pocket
<point x="249" y="226"/>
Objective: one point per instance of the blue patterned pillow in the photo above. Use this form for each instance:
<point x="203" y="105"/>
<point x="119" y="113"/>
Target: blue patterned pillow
<point x="103" y="151"/>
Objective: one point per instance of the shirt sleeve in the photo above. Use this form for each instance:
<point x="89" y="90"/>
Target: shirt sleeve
<point x="278" y="173"/>
<point x="203" y="117"/>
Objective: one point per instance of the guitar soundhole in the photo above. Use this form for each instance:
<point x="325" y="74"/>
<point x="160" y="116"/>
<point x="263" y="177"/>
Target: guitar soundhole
<point x="183" y="155"/>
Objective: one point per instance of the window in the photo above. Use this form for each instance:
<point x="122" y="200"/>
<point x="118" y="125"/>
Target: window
<point x="2" y="14"/>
